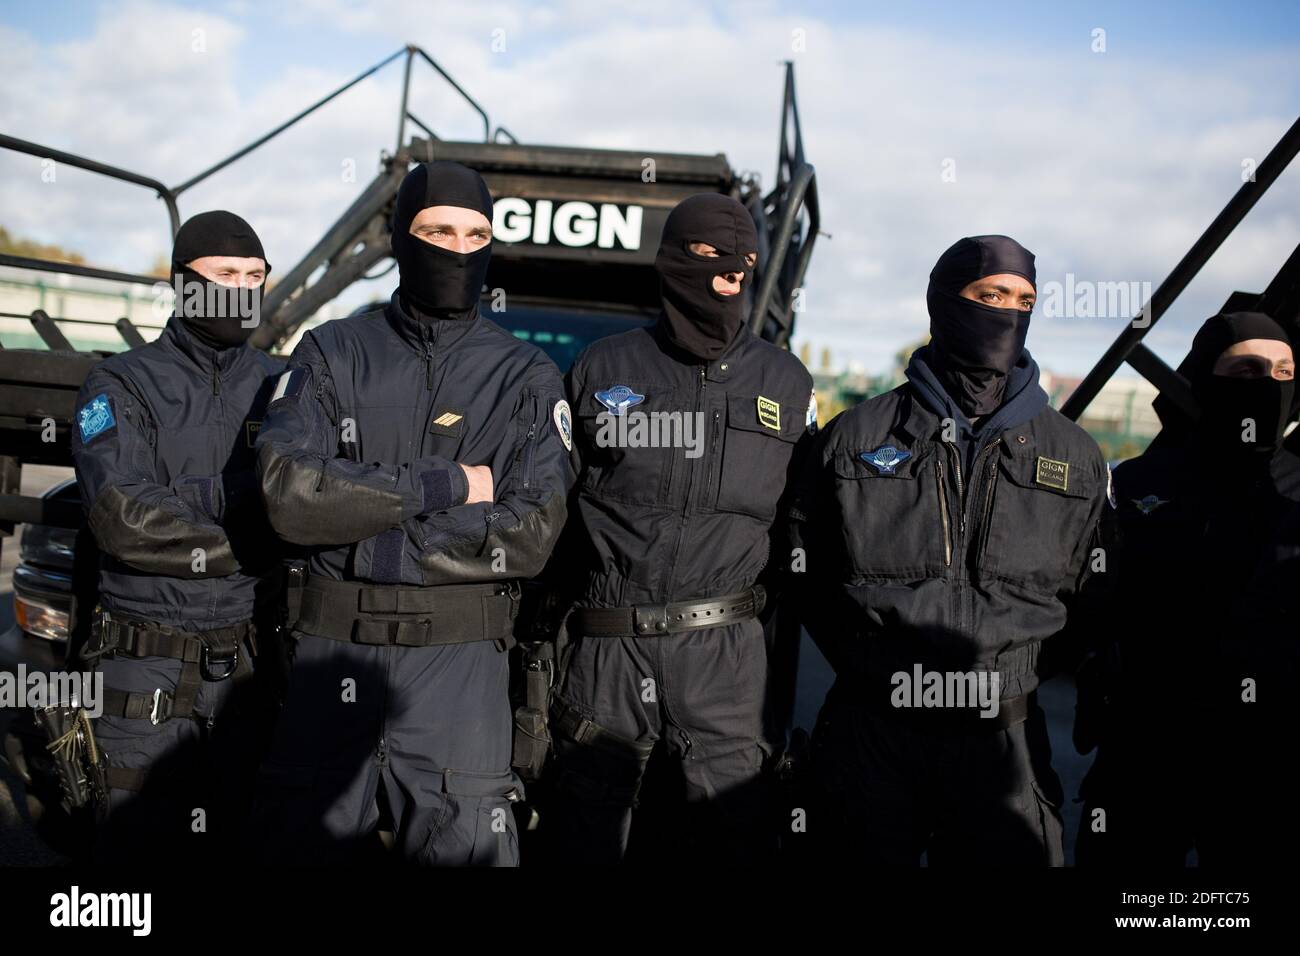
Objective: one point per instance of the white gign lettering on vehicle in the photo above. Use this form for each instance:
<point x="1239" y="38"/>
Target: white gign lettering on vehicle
<point x="573" y="223"/>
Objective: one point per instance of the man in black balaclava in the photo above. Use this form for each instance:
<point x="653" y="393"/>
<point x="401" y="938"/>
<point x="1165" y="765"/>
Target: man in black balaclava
<point x="701" y="315"/>
<point x="440" y="282"/>
<point x="1200" y="664"/>
<point x="947" y="530"/>
<point x="980" y="294"/>
<point x="685" y="431"/>
<point x="218" y="273"/>
<point x="163" y="447"/>
<point x="420" y="453"/>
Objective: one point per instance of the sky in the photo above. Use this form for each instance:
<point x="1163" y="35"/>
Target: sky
<point x="1103" y="136"/>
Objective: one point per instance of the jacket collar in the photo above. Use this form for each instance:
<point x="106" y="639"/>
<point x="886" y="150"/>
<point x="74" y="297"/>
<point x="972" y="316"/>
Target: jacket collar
<point x="719" y="369"/>
<point x="914" y="421"/>
<point x="204" y="357"/>
<point x="432" y="335"/>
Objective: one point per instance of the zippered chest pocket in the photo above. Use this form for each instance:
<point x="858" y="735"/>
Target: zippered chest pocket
<point x="530" y="425"/>
<point x="631" y="454"/>
<point x="897" y="520"/>
<point x="752" y="439"/>
<point x="1033" y="527"/>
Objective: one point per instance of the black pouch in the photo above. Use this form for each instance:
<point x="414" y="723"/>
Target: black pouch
<point x="532" y="682"/>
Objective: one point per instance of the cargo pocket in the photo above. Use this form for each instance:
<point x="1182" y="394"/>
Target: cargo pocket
<point x="899" y="521"/>
<point x="620" y="460"/>
<point x="1033" y="528"/>
<point x="757" y="442"/>
<point x="475" y="823"/>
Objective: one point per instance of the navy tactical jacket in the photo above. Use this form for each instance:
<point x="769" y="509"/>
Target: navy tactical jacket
<point x="913" y="557"/>
<point x="360" y="455"/>
<point x="164" y="451"/>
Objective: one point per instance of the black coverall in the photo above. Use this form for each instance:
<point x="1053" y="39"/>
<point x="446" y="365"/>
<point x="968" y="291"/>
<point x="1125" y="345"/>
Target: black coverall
<point x="915" y="559"/>
<point x="659" y="525"/>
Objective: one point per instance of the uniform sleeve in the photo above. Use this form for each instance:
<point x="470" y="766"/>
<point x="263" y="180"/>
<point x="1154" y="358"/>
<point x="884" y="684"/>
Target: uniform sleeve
<point x="168" y="529"/>
<point x="1087" y="587"/>
<point x="316" y="495"/>
<point x="814" y="547"/>
<point x="1082" y="578"/>
<point x="511" y="537"/>
<point x="557" y="586"/>
<point x="775" y="576"/>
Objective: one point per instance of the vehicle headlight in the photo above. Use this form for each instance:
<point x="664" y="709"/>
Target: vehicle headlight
<point x="40" y="619"/>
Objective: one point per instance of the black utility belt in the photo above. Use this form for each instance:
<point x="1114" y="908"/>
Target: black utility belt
<point x="653" y="620"/>
<point x="405" y="616"/>
<point x="204" y="655"/>
<point x="216" y="651"/>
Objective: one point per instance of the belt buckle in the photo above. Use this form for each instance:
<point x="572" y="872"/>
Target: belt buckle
<point x="103" y="636"/>
<point x="650" y="619"/>
<point x="159" y="713"/>
<point x="230" y="663"/>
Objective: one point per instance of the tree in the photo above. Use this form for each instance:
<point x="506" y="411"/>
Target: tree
<point x="34" y="250"/>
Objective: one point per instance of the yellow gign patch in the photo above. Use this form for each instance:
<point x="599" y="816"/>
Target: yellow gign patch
<point x="1053" y="473"/>
<point x="769" y="413"/>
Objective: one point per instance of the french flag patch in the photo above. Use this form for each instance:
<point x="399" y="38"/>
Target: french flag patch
<point x="290" y="384"/>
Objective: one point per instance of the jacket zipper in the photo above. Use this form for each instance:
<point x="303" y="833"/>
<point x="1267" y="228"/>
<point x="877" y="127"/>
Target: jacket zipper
<point x="976" y="471"/>
<point x="991" y="481"/>
<point x="956" y="599"/>
<point x="713" y="454"/>
<point x="221" y="422"/>
<point x="420" y="432"/>
<point x="488" y="519"/>
<point x="961" y="494"/>
<point x="686" y="499"/>
<point x="528" y="447"/>
<point x="943" y="513"/>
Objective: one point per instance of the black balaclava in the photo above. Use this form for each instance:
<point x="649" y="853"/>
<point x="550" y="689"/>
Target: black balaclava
<point x="436" y="282"/>
<point x="972" y="345"/>
<point x="217" y="315"/>
<point x="1225" y="402"/>
<point x="697" y="318"/>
